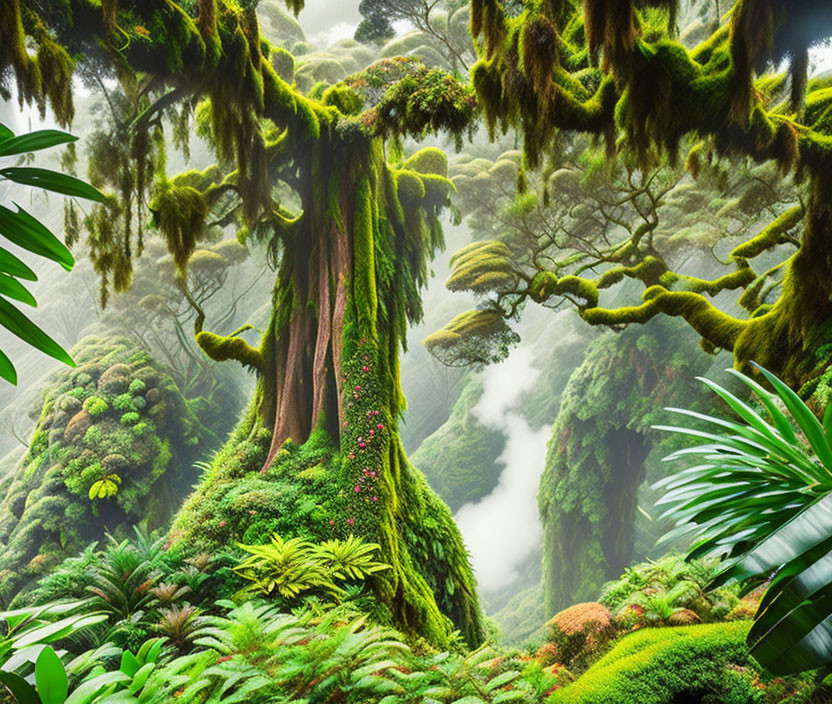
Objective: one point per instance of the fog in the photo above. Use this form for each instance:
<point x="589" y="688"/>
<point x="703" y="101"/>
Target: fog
<point x="325" y="22"/>
<point x="502" y="529"/>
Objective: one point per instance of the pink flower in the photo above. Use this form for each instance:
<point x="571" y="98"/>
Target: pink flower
<point x="365" y="369"/>
<point x="352" y="455"/>
<point x="358" y="388"/>
<point x="222" y="524"/>
<point x="372" y="474"/>
<point x="350" y="521"/>
<point x="357" y="489"/>
<point x="372" y="432"/>
<point x="375" y="498"/>
<point x="332" y="523"/>
<point x="362" y="445"/>
<point x="380" y="426"/>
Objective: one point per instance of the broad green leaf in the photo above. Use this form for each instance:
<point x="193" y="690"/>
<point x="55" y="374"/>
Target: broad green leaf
<point x="801" y="642"/>
<point x="129" y="664"/>
<point x="50" y="678"/>
<point x="797" y="581"/>
<point x="804" y="531"/>
<point x="18" y="616"/>
<point x="5" y="132"/>
<point x="10" y="264"/>
<point x="7" y="370"/>
<point x="29" y="233"/>
<point x="87" y="691"/>
<point x="12" y="288"/>
<point x="34" y="141"/>
<point x="21" y="690"/>
<point x="18" y="324"/>
<point x="51" y="181"/>
<point x="60" y="629"/>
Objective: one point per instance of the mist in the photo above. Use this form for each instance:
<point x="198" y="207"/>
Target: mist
<point x="502" y="529"/>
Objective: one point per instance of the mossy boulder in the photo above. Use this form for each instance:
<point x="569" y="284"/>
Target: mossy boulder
<point x="665" y="666"/>
<point x="52" y="502"/>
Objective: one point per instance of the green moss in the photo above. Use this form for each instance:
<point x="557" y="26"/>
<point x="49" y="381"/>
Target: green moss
<point x="96" y="406"/>
<point x="221" y="349"/>
<point x="597" y="458"/>
<point x="662" y="666"/>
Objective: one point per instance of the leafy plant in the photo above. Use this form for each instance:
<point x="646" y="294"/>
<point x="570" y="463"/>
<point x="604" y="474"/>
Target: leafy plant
<point x="289" y="568"/>
<point x="760" y="494"/>
<point x="105" y="487"/>
<point x="25" y="231"/>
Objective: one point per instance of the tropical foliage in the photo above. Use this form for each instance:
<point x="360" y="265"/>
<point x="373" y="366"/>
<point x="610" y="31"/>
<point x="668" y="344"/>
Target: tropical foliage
<point x="760" y="494"/>
<point x="289" y="568"/>
<point x="20" y="228"/>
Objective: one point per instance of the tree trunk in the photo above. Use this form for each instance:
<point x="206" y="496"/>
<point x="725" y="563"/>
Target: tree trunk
<point x="329" y="387"/>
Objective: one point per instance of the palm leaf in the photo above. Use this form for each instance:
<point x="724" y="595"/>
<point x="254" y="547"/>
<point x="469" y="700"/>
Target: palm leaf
<point x="762" y="498"/>
<point x="51" y="181"/>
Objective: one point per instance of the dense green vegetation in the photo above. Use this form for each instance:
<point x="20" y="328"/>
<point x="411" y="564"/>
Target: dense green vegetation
<point x="213" y="502"/>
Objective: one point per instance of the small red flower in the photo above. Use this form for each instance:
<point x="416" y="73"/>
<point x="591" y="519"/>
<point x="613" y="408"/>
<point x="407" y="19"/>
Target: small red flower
<point x="380" y="426"/>
<point x="222" y="524"/>
<point x="375" y="498"/>
<point x="350" y="521"/>
<point x="352" y="455"/>
<point x="365" y="369"/>
<point x="362" y="445"/>
<point x="357" y="489"/>
<point x="331" y="522"/>
<point x="358" y="387"/>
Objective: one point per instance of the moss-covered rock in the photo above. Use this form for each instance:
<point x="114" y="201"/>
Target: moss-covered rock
<point x="664" y="666"/>
<point x="119" y="456"/>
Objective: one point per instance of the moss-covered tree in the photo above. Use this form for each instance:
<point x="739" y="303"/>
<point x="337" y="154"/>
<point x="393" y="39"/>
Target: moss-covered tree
<point x="114" y="446"/>
<point x="616" y="71"/>
<point x="351" y="236"/>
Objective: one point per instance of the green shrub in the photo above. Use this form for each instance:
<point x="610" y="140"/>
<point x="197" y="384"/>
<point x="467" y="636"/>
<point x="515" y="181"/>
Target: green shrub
<point x="95" y="406"/>
<point x="130" y="418"/>
<point x="662" y="666"/>
<point x="92" y="435"/>
<point x="137" y="386"/>
<point x="124" y="402"/>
